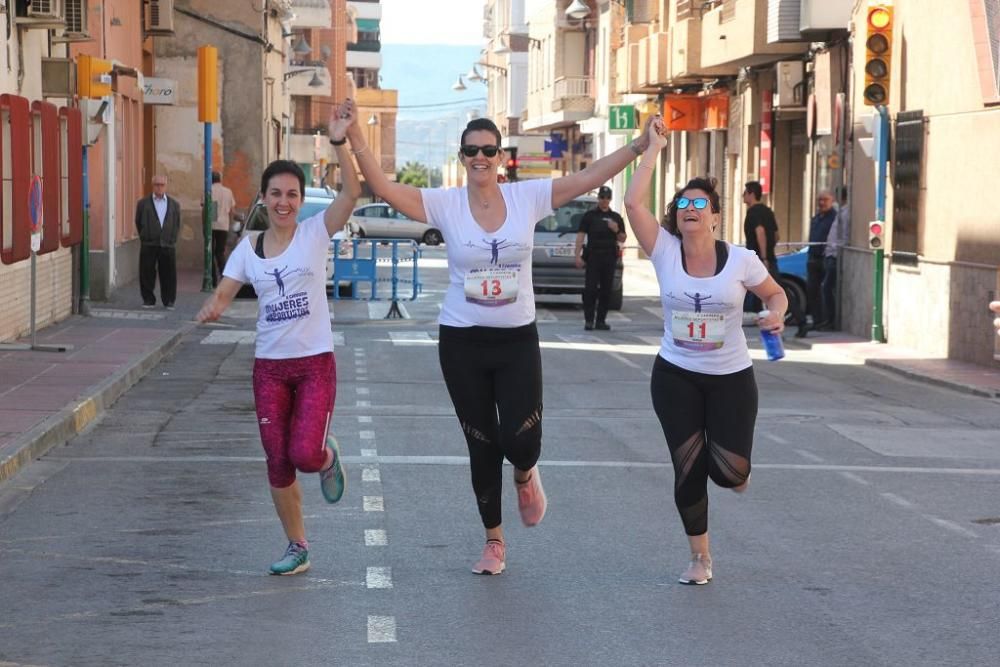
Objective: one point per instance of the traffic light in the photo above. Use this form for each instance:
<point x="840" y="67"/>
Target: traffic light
<point x="878" y="53"/>
<point x="93" y="76"/>
<point x="876" y="231"/>
<point x="511" y="165"/>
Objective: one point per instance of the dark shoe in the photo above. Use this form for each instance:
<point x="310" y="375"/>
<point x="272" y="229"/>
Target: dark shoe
<point x="603" y="326"/>
<point x="149" y="305"/>
<point x="801" y="333"/>
<point x="589" y="326"/>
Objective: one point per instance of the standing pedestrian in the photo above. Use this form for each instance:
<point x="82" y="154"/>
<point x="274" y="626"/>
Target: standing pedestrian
<point x="158" y="221"/>
<point x="294" y="371"/>
<point x="760" y="229"/>
<point x="819" y="231"/>
<point x="222" y="198"/>
<point x="702" y="384"/>
<point x="603" y="229"/>
<point x="835" y="240"/>
<point x="995" y="307"/>
<point x="488" y="341"/>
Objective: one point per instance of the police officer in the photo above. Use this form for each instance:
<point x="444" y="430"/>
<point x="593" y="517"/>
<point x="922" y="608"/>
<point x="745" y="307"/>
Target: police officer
<point x="603" y="230"/>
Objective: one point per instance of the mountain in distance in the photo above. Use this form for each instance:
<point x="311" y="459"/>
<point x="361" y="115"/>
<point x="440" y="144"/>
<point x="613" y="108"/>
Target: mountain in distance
<point x="431" y="115"/>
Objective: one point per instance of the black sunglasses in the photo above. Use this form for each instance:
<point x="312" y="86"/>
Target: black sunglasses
<point x="488" y="151"/>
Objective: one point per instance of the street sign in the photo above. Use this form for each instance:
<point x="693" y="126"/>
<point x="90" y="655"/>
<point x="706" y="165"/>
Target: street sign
<point x="621" y="118"/>
<point x="36" y="212"/>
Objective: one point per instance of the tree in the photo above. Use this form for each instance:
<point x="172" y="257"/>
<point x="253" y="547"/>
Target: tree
<point x="413" y="173"/>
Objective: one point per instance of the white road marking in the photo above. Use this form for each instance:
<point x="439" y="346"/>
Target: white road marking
<point x="403" y="338"/>
<point x="229" y="337"/>
<point x="363" y="391"/>
<point x="379" y="577"/>
<point x="381" y="629"/>
<point x="544" y="315"/>
<point x="899" y="500"/>
<point x="376" y="538"/>
<point x="651" y="340"/>
<point x="373" y="504"/>
<point x="655" y="311"/>
<point x="777" y="438"/>
<point x="338" y="338"/>
<point x="367" y="435"/>
<point x="368" y="453"/>
<point x="809" y="456"/>
<point x="855" y="478"/>
<point x="951" y="525"/>
<point x="614" y="316"/>
<point x="370" y="474"/>
<point x="364" y="419"/>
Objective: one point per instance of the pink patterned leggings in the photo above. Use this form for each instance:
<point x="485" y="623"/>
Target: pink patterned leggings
<point x="294" y="399"/>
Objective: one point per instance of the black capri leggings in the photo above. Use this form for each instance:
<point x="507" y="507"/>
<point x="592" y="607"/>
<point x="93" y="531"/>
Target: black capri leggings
<point x="494" y="377"/>
<point x="695" y="409"/>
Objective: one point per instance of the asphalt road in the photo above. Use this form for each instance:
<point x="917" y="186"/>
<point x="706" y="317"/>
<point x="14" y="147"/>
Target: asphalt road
<point x="870" y="534"/>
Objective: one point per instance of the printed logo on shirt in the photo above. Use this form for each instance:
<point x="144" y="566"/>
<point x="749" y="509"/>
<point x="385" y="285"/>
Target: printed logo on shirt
<point x="287" y="307"/>
<point x="495" y="246"/>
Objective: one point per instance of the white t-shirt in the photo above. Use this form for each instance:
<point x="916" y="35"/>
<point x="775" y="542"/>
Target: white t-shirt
<point x="489" y="273"/>
<point x="703" y="317"/>
<point x="293" y="315"/>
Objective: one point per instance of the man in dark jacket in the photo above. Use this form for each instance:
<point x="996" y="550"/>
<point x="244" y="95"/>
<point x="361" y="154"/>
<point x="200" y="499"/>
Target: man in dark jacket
<point x="819" y="230"/>
<point x="158" y="221"/>
<point x="603" y="230"/>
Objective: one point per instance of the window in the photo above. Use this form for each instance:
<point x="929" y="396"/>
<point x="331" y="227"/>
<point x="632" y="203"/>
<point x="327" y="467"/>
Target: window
<point x="906" y="173"/>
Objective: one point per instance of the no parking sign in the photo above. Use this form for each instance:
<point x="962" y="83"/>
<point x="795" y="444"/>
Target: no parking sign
<point x="35" y="212"/>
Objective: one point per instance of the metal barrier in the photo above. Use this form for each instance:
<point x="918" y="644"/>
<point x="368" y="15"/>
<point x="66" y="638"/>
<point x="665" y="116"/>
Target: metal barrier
<point x="360" y="261"/>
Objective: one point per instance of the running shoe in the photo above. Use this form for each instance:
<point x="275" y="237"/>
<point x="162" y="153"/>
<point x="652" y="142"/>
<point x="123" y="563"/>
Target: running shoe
<point x="531" y="501"/>
<point x="333" y="481"/>
<point x="699" y="572"/>
<point x="492" y="561"/>
<point x="295" y="560"/>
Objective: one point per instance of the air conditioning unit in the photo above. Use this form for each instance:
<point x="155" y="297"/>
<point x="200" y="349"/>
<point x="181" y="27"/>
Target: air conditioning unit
<point x="58" y="77"/>
<point x="791" y="88"/>
<point x="76" y="23"/>
<point x="159" y="17"/>
<point x="42" y="14"/>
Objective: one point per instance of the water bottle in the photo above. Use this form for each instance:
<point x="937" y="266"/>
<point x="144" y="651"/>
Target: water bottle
<point x="773" y="344"/>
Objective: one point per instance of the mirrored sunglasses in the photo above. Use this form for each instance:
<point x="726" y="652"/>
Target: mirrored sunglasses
<point x="488" y="151"/>
<point x="699" y="203"/>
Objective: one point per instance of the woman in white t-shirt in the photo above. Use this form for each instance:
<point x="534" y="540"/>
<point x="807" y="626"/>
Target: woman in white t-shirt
<point x="488" y="342"/>
<point x="295" y="372"/>
<point x="703" y="388"/>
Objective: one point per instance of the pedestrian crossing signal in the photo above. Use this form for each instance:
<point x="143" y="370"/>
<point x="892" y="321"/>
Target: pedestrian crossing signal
<point x="878" y="54"/>
<point x="876" y="231"/>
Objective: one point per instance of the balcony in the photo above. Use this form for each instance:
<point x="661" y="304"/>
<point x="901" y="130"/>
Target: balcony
<point x="685" y="60"/>
<point x="734" y="35"/>
<point x="367" y="45"/>
<point x="364" y="60"/>
<point x="567" y="101"/>
<point x="311" y="14"/>
<point x="572" y="93"/>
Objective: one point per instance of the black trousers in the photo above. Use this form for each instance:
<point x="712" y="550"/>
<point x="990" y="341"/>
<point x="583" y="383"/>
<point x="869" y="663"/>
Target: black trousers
<point x="708" y="421"/>
<point x="155" y="260"/>
<point x="600" y="274"/>
<point x="494" y="377"/>
<point x="829" y="290"/>
<point x="219" y="239"/>
<point x="814" y="288"/>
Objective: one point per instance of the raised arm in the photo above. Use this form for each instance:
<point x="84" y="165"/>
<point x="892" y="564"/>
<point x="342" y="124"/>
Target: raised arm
<point x="644" y="224"/>
<point x="339" y="212"/>
<point x="404" y="198"/>
<point x="573" y="185"/>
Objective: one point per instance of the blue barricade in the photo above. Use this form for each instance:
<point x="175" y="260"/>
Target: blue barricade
<point x="377" y="263"/>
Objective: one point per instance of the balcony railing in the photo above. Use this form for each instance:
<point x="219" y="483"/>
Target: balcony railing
<point x="572" y="86"/>
<point x="370" y="45"/>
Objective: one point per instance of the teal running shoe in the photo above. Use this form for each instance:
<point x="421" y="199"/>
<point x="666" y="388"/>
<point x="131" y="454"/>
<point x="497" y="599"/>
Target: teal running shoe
<point x="295" y="560"/>
<point x="333" y="481"/>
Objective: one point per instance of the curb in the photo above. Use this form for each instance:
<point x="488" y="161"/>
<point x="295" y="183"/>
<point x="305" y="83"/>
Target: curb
<point x="74" y="418"/>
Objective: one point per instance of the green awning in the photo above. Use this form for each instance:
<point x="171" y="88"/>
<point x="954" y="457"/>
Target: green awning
<point x="367" y="25"/>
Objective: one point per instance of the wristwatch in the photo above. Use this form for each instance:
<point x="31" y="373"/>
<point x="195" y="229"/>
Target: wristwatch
<point x="338" y="143"/>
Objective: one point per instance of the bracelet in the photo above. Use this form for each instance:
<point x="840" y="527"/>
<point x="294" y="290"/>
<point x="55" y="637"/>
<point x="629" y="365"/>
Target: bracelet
<point x="635" y="149"/>
<point x="334" y="142"/>
<point x="359" y="151"/>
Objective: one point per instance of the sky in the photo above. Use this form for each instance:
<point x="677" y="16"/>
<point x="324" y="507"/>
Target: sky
<point x="422" y="56"/>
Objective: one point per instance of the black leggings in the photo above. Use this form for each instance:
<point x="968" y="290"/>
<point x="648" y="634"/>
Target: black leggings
<point x="695" y="408"/>
<point x="494" y="377"/>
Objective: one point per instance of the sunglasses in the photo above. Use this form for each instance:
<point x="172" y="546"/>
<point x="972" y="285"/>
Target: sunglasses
<point x="488" y="151"/>
<point x="699" y="203"/>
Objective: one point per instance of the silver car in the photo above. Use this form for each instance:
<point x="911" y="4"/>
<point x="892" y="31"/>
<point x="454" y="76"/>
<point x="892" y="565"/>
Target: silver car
<point x="381" y="221"/>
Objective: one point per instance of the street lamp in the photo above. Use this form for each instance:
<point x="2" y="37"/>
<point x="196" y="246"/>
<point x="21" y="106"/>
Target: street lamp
<point x="315" y="82"/>
<point x="373" y="120"/>
<point x="458" y="85"/>
<point x="473" y="74"/>
<point x="577" y="10"/>
<point x="501" y="49"/>
<point x="302" y="46"/>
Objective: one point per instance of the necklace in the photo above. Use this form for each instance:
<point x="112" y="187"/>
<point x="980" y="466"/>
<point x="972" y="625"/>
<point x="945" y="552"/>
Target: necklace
<point x="485" y="204"/>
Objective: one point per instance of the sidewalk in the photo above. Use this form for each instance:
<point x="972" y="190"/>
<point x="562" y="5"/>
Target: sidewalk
<point x="46" y="398"/>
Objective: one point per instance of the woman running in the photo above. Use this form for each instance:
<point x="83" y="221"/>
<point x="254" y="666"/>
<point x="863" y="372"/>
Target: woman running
<point x="294" y="372"/>
<point x="488" y="342"/>
<point x="702" y="384"/>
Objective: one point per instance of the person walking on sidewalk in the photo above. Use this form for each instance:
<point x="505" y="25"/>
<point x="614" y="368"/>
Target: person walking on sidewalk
<point x="702" y="384"/>
<point x="836" y="239"/>
<point x="294" y="372"/>
<point x="602" y="229"/>
<point x="819" y="231"/>
<point x="224" y="202"/>
<point x="158" y="221"/>
<point x="488" y="340"/>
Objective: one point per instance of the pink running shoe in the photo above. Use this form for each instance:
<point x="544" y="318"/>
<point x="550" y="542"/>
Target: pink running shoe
<point x="699" y="572"/>
<point x="531" y="501"/>
<point x="492" y="561"/>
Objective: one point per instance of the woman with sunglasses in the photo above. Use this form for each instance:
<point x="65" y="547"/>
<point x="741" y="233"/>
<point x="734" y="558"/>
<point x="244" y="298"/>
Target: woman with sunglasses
<point x="703" y="387"/>
<point x="488" y="342"/>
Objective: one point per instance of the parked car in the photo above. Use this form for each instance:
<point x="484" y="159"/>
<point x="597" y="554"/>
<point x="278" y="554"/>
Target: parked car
<point x="553" y="263"/>
<point x="381" y="221"/>
<point x="257" y="221"/>
<point x="792" y="277"/>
